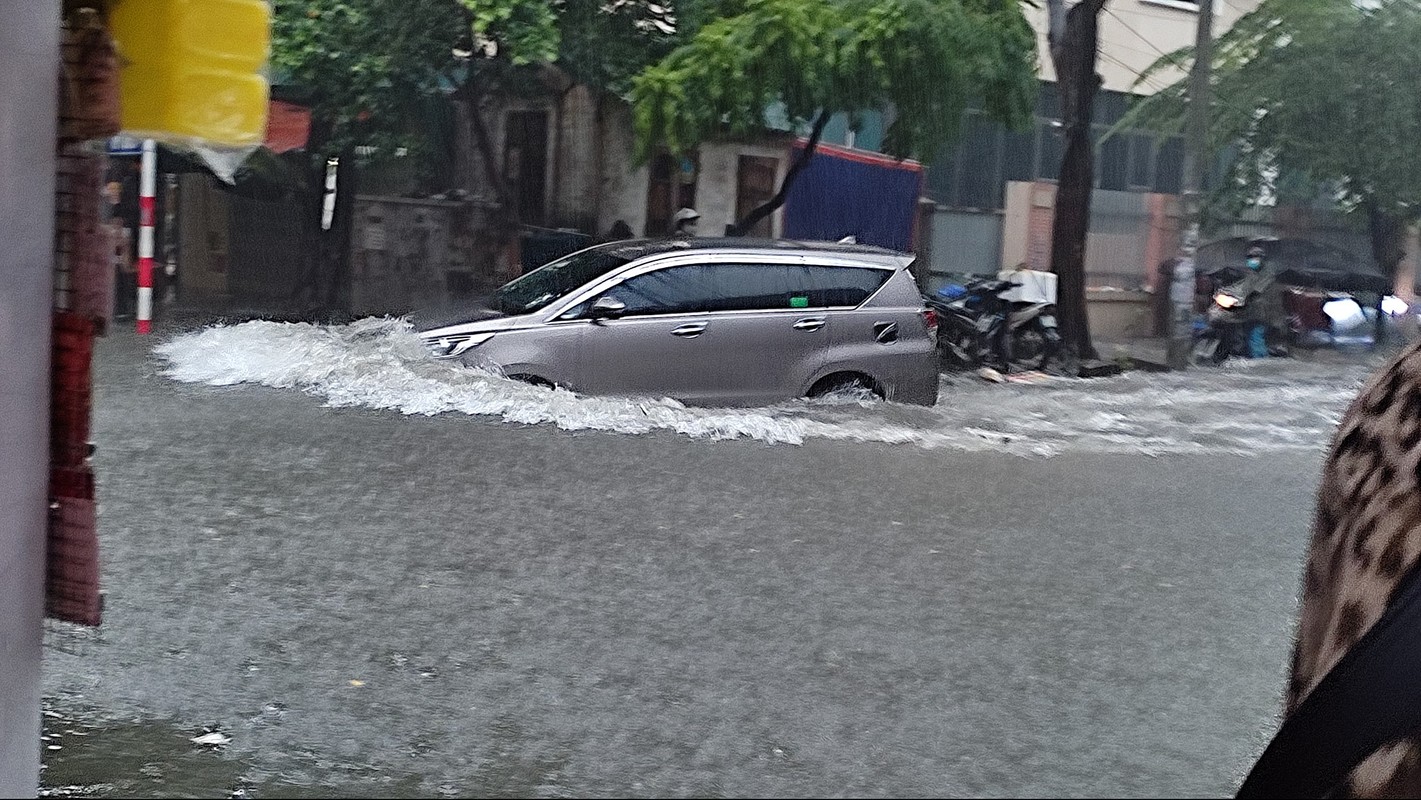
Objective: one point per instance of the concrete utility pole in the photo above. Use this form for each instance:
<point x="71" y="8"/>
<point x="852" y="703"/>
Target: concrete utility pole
<point x="1196" y="159"/>
<point x="29" y="69"/>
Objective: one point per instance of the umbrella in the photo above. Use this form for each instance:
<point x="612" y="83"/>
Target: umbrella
<point x="1300" y="262"/>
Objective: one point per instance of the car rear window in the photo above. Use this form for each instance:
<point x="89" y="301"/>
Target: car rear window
<point x="747" y="287"/>
<point x="755" y="287"/>
<point x="845" y="286"/>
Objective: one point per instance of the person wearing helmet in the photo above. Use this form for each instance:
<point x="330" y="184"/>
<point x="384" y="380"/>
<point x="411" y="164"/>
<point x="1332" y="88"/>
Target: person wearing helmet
<point x="1263" y="300"/>
<point x="684" y="223"/>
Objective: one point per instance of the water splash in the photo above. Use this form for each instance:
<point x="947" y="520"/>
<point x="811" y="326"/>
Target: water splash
<point x="380" y="363"/>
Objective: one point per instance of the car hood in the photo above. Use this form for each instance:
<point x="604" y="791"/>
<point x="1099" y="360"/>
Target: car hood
<point x="474" y="318"/>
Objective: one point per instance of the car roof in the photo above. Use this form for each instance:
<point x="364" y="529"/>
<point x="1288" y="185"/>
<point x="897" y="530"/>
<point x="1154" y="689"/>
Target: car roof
<point x="634" y="249"/>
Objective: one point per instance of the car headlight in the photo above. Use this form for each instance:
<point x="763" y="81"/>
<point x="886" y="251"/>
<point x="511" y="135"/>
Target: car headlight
<point x="455" y="344"/>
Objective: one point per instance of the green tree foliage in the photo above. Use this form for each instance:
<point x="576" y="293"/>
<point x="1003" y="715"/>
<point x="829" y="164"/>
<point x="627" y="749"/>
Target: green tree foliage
<point x="382" y="72"/>
<point x="371" y="63"/>
<point x="919" y="61"/>
<point x="524" y="32"/>
<point x="366" y="62"/>
<point x="605" y="45"/>
<point x="1314" y="97"/>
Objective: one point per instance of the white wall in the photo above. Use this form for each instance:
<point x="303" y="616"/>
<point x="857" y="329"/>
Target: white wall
<point x="623" y="187"/>
<point x="573" y="171"/>
<point x="29" y="51"/>
<point x="1135" y="33"/>
<point x="718" y="181"/>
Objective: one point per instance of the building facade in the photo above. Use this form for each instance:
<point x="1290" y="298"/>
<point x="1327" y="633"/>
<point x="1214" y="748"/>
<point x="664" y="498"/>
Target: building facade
<point x="969" y="184"/>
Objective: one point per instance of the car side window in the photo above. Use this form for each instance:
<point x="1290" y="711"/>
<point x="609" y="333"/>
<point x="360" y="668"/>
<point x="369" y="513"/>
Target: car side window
<point x="845" y="286"/>
<point x="761" y="287"/>
<point x="674" y="290"/>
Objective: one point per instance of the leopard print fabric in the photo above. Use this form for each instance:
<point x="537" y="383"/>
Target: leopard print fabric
<point x="1366" y="537"/>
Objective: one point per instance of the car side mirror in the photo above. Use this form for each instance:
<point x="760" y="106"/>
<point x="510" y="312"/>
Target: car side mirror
<point x="607" y="307"/>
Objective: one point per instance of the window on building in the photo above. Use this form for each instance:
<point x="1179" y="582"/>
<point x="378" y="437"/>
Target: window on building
<point x="986" y="156"/>
<point x="1113" y="162"/>
<point x="979" y="182"/>
<point x="1048" y="101"/>
<point x="1110" y="107"/>
<point x="1053" y="149"/>
<point x="671" y="186"/>
<point x="836" y="131"/>
<point x="869" y="135"/>
<point x="942" y="176"/>
<point x="1169" y="166"/>
<point x="1142" y="161"/>
<point x="1019" y="156"/>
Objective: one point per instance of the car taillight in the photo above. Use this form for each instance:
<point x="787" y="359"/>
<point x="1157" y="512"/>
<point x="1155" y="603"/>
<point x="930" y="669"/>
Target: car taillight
<point x="930" y="319"/>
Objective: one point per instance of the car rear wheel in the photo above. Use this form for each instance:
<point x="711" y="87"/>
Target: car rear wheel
<point x="848" y="384"/>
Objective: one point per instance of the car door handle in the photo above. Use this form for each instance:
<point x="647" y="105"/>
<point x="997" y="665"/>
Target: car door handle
<point x="810" y="324"/>
<point x="689" y="331"/>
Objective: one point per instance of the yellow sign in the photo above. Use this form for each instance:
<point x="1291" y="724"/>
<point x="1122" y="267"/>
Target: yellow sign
<point x="190" y="69"/>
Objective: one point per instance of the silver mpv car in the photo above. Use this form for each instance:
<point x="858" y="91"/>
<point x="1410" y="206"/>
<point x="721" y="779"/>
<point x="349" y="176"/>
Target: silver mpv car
<point x="709" y="322"/>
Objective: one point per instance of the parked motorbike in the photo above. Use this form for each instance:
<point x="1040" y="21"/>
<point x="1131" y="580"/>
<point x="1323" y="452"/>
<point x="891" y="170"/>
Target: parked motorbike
<point x="979" y="327"/>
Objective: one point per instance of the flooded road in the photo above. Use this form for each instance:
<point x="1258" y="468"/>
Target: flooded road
<point x="1243" y="407"/>
<point x="343" y="590"/>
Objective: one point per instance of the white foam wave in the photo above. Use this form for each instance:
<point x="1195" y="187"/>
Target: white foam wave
<point x="380" y="363"/>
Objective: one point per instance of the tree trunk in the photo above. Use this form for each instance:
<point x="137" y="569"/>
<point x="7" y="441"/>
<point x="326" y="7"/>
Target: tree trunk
<point x="490" y="160"/>
<point x="1388" y="233"/>
<point x="473" y="95"/>
<point x="772" y="205"/>
<point x="504" y="226"/>
<point x="1074" y="42"/>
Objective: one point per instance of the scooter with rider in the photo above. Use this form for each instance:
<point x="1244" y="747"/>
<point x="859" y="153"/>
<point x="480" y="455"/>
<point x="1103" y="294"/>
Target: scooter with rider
<point x="1243" y="315"/>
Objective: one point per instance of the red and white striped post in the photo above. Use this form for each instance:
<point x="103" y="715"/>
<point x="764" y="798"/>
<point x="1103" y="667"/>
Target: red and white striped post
<point x="147" y="206"/>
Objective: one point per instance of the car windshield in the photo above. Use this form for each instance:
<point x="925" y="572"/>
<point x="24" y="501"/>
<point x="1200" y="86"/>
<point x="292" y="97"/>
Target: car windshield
<point x="534" y="291"/>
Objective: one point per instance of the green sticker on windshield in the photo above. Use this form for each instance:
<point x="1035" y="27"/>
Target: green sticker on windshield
<point x="799" y="302"/>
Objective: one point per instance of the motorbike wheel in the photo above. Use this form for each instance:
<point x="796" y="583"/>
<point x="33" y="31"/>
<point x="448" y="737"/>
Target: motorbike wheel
<point x="1207" y="351"/>
<point x="1030" y="349"/>
<point x="959" y="349"/>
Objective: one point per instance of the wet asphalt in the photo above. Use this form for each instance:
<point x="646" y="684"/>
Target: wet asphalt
<point x="368" y="604"/>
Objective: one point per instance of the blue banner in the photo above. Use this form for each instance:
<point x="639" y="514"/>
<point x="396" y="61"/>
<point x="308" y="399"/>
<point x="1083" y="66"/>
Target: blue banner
<point x="845" y="193"/>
